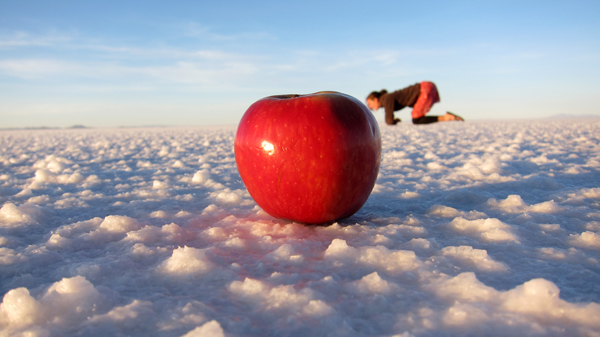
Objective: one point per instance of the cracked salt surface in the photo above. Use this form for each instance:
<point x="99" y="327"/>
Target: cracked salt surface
<point x="476" y="228"/>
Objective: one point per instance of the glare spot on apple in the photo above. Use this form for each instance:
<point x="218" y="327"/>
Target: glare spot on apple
<point x="268" y="147"/>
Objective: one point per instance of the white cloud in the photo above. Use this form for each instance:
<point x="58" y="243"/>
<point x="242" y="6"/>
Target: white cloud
<point x="202" y="32"/>
<point x="187" y="72"/>
<point x="24" y="39"/>
<point x="34" y="68"/>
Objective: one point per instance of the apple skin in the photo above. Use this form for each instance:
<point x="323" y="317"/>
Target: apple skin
<point x="309" y="158"/>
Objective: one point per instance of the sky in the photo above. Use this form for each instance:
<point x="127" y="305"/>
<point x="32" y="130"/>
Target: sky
<point x="144" y="63"/>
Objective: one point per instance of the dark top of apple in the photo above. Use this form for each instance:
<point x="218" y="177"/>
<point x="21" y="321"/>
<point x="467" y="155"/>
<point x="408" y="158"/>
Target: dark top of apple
<point x="284" y="96"/>
<point x="288" y="96"/>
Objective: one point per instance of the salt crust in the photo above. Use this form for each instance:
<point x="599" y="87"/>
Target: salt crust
<point x="130" y="232"/>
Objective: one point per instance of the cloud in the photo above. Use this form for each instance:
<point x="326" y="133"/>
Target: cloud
<point x="34" y="68"/>
<point x="78" y="61"/>
<point x="219" y="65"/>
<point x="24" y="39"/>
<point x="208" y="71"/>
<point x="205" y="33"/>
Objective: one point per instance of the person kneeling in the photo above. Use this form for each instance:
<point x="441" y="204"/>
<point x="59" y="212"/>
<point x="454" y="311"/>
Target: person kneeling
<point x="420" y="97"/>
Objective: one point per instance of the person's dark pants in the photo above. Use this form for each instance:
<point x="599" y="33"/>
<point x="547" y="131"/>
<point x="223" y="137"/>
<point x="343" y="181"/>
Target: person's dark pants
<point x="425" y="120"/>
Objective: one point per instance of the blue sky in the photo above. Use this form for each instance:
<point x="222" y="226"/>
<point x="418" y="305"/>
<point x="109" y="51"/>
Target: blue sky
<point x="133" y="63"/>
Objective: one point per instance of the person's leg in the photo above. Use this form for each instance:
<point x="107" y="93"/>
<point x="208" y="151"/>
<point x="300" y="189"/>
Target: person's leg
<point x="429" y="95"/>
<point x="449" y="116"/>
<point x="426" y="120"/>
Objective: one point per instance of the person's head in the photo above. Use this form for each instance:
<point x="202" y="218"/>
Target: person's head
<point x="373" y="99"/>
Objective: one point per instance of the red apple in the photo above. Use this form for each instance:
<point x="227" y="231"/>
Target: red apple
<point x="309" y="158"/>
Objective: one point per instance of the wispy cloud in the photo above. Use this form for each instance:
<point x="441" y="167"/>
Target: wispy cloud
<point x="24" y="39"/>
<point x="177" y="72"/>
<point x="36" y="68"/>
<point x="106" y="62"/>
<point x="206" y="33"/>
<point x="77" y="60"/>
<point x="64" y="43"/>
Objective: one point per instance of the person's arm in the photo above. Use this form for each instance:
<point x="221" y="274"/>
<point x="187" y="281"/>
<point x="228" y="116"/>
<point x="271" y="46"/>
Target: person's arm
<point x="389" y="118"/>
<point x="387" y="102"/>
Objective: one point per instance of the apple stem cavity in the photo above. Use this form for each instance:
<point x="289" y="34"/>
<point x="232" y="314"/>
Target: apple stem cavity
<point x="285" y="96"/>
